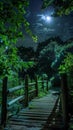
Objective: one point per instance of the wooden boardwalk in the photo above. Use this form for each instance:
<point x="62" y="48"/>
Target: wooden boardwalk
<point x="36" y="115"/>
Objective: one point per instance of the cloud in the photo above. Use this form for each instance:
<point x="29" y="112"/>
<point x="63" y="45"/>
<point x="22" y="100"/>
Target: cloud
<point x="39" y="24"/>
<point x="42" y="28"/>
<point x="48" y="29"/>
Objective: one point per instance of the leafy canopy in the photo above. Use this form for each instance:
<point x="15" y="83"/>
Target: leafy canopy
<point x="61" y="6"/>
<point x="67" y="64"/>
<point x="13" y="18"/>
<point x="10" y="62"/>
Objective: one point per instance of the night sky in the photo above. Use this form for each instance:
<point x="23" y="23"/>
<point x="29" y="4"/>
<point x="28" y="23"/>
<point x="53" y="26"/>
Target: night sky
<point x="45" y="28"/>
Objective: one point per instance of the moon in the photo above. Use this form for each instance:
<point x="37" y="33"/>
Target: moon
<point x="45" y="18"/>
<point x="48" y="18"/>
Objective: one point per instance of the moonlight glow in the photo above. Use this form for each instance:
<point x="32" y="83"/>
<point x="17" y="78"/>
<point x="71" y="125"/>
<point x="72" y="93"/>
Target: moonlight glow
<point x="45" y="18"/>
<point x="48" y="18"/>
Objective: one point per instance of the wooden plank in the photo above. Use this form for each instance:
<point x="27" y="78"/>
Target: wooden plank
<point x="4" y="102"/>
<point x="40" y="107"/>
<point x="26" y="91"/>
<point x="22" y="127"/>
<point x="45" y="104"/>
<point x="46" y="100"/>
<point x="31" y="117"/>
<point x="35" y="114"/>
<point x="38" y="110"/>
<point x="64" y="100"/>
<point x="26" y="124"/>
<point x="36" y="85"/>
<point x="41" y="104"/>
<point x="29" y="121"/>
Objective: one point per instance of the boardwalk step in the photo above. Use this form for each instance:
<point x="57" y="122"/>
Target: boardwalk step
<point x="28" y="124"/>
<point x="26" y="120"/>
<point x="22" y="127"/>
<point x="31" y="117"/>
<point x="35" y="111"/>
<point x="34" y="114"/>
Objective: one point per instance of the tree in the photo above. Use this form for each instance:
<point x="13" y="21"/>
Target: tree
<point x="50" y="54"/>
<point x="47" y="56"/>
<point x="46" y="42"/>
<point x="26" y="54"/>
<point x="62" y="7"/>
<point x="67" y="67"/>
<point x="67" y="64"/>
<point x="12" y="19"/>
<point x="9" y="61"/>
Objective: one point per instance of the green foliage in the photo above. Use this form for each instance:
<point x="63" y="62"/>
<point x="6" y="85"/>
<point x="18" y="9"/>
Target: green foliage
<point x="67" y="64"/>
<point x="51" y="53"/>
<point x="10" y="62"/>
<point x="67" y="67"/>
<point x="61" y="6"/>
<point x="13" y="19"/>
<point x="28" y="64"/>
<point x="42" y="93"/>
<point x="26" y="54"/>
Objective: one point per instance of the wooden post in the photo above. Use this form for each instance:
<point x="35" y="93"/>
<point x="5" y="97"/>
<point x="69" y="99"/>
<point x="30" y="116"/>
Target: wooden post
<point x="4" y="103"/>
<point x="36" y="85"/>
<point x="64" y="100"/>
<point x="26" y="91"/>
<point x="47" y="84"/>
<point x="43" y="83"/>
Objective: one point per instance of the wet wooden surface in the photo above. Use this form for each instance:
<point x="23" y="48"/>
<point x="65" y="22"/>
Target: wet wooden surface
<point x="35" y="116"/>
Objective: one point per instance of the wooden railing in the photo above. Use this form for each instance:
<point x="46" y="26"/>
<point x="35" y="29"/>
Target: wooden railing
<point x="26" y="97"/>
<point x="64" y="100"/>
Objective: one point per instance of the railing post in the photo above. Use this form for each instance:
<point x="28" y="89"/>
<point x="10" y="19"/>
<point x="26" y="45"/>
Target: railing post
<point x="36" y="85"/>
<point x="43" y="83"/>
<point x="4" y="103"/>
<point x="64" y="99"/>
<point x="47" y="84"/>
<point x="26" y="91"/>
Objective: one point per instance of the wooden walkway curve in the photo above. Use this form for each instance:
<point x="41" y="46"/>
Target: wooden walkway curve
<point x="36" y="115"/>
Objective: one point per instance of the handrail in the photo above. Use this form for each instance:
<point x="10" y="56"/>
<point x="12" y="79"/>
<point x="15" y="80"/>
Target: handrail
<point x="15" y="88"/>
<point x="15" y="100"/>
